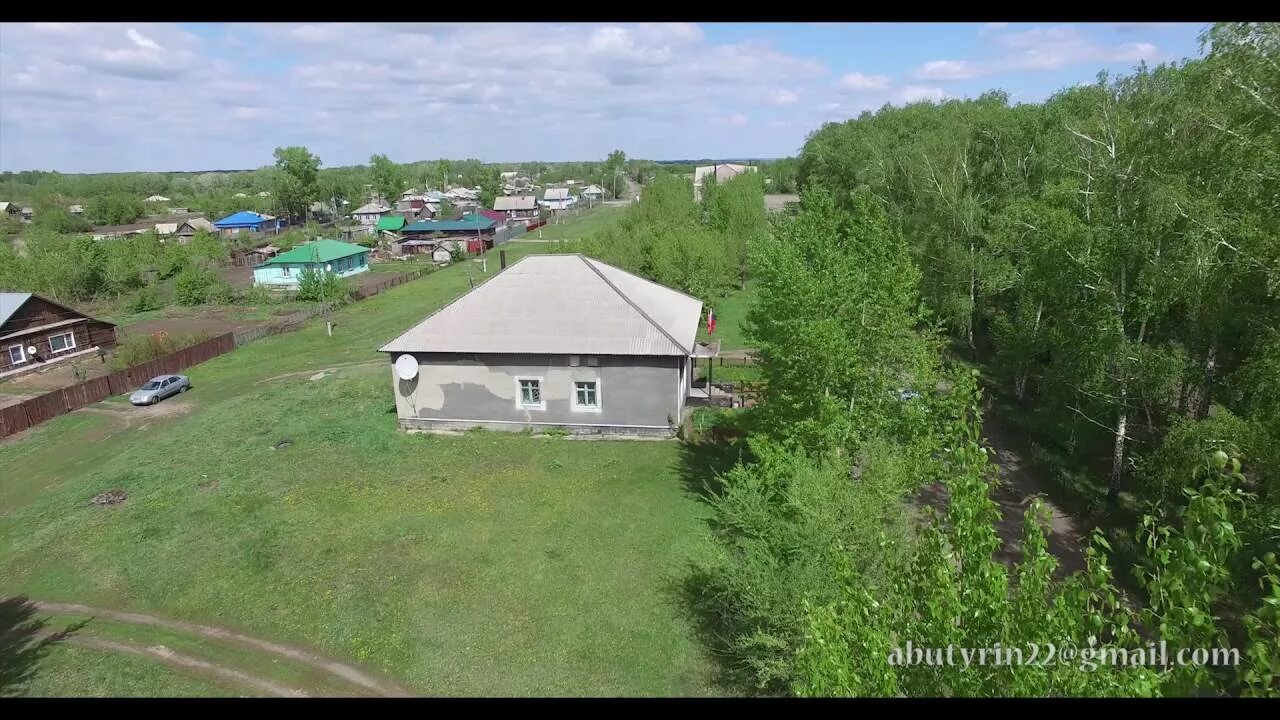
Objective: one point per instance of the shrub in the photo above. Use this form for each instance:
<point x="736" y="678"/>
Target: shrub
<point x="146" y="299"/>
<point x="319" y="286"/>
<point x="258" y="295"/>
<point x="196" y="286"/>
<point x="137" y="349"/>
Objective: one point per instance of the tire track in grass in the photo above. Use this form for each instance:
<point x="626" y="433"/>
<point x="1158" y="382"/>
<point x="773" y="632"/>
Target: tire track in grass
<point x="183" y="662"/>
<point x="346" y="672"/>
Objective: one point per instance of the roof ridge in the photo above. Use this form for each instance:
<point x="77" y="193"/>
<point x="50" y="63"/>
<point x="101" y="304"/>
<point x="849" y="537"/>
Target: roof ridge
<point x="586" y="261"/>
<point x="647" y="280"/>
<point x="453" y="302"/>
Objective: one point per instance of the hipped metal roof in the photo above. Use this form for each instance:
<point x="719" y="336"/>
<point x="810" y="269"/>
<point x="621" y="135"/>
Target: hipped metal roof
<point x="560" y="304"/>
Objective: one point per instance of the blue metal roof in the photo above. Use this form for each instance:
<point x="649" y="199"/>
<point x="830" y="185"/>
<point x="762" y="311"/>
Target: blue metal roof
<point x="244" y="218"/>
<point x="468" y="222"/>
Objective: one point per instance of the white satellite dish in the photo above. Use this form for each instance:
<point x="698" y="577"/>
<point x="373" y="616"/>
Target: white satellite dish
<point x="31" y="350"/>
<point x="406" y="367"/>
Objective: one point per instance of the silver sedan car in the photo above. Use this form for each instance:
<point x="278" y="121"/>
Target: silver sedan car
<point x="159" y="388"/>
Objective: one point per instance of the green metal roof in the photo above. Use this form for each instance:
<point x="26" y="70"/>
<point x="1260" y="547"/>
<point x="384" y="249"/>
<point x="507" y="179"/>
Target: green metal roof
<point x="468" y="222"/>
<point x="320" y="250"/>
<point x="392" y="222"/>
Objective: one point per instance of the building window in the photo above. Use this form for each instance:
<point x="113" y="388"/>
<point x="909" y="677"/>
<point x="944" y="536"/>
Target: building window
<point x="17" y="355"/>
<point x="530" y="392"/>
<point x="62" y="343"/>
<point x="586" y="395"/>
<point x="285" y="271"/>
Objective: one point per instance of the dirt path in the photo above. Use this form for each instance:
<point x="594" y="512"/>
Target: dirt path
<point x="184" y="662"/>
<point x="1018" y="486"/>
<point x="333" y="667"/>
<point x="326" y="371"/>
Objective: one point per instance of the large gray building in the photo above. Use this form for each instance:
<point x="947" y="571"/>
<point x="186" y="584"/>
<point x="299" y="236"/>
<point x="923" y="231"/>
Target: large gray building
<point x="552" y="341"/>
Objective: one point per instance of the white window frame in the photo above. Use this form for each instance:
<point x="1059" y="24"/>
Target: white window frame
<point x="598" y="407"/>
<point x="542" y="397"/>
<point x="71" y="346"/>
<point x="22" y="352"/>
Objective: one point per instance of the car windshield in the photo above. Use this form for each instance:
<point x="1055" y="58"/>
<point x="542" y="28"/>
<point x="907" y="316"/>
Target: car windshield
<point x="151" y="385"/>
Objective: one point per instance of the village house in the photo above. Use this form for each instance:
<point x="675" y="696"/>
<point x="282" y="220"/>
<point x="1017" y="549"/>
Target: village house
<point x="156" y="198"/>
<point x="476" y="231"/>
<point x="390" y="224"/>
<point x="499" y="218"/>
<point x="28" y="214"/>
<point x="592" y="192"/>
<point x="321" y="255"/>
<point x="554" y="341"/>
<point x="189" y="227"/>
<point x="517" y="207"/>
<point x="36" y="332"/>
<point x="321" y="212"/>
<point x="369" y="213"/>
<point x="8" y="208"/>
<point x="722" y="172"/>
<point x="248" y="221"/>
<point x="557" y="199"/>
<point x="76" y="209"/>
<point x="410" y="203"/>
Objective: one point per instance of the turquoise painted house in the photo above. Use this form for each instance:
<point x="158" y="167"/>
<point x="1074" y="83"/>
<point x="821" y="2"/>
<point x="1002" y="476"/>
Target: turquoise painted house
<point x="322" y="255"/>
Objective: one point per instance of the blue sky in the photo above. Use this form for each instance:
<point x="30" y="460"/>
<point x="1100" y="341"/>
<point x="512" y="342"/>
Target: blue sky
<point x="78" y="97"/>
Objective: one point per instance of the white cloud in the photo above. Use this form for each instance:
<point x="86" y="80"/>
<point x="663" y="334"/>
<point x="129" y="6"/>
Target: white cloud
<point x="143" y="41"/>
<point x="948" y="70"/>
<point x="782" y="96"/>
<point x="1140" y="26"/>
<point x="1048" y="48"/>
<point x="83" y="97"/>
<point x="857" y="81"/>
<point x="992" y="27"/>
<point x="918" y="93"/>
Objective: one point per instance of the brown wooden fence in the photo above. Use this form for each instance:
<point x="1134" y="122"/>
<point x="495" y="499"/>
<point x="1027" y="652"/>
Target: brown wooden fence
<point x="16" y="418"/>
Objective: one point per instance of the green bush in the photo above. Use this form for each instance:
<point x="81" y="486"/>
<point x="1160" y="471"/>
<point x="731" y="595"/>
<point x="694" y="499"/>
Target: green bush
<point x="197" y="286"/>
<point x="137" y="349"/>
<point x="320" y="286"/>
<point x="146" y="299"/>
<point x="258" y="295"/>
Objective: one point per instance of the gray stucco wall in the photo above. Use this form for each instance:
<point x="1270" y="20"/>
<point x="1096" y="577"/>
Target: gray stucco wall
<point x="641" y="395"/>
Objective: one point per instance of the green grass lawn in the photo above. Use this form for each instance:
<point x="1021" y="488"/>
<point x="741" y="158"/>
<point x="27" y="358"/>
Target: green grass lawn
<point x="731" y="311"/>
<point x="578" y="227"/>
<point x="67" y="670"/>
<point x="485" y="563"/>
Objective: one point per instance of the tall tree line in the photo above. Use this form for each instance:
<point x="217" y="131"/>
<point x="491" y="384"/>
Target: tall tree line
<point x="1110" y="254"/>
<point x="1057" y="246"/>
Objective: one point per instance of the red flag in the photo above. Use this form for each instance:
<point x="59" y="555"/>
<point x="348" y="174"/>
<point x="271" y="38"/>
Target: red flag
<point x="711" y="321"/>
